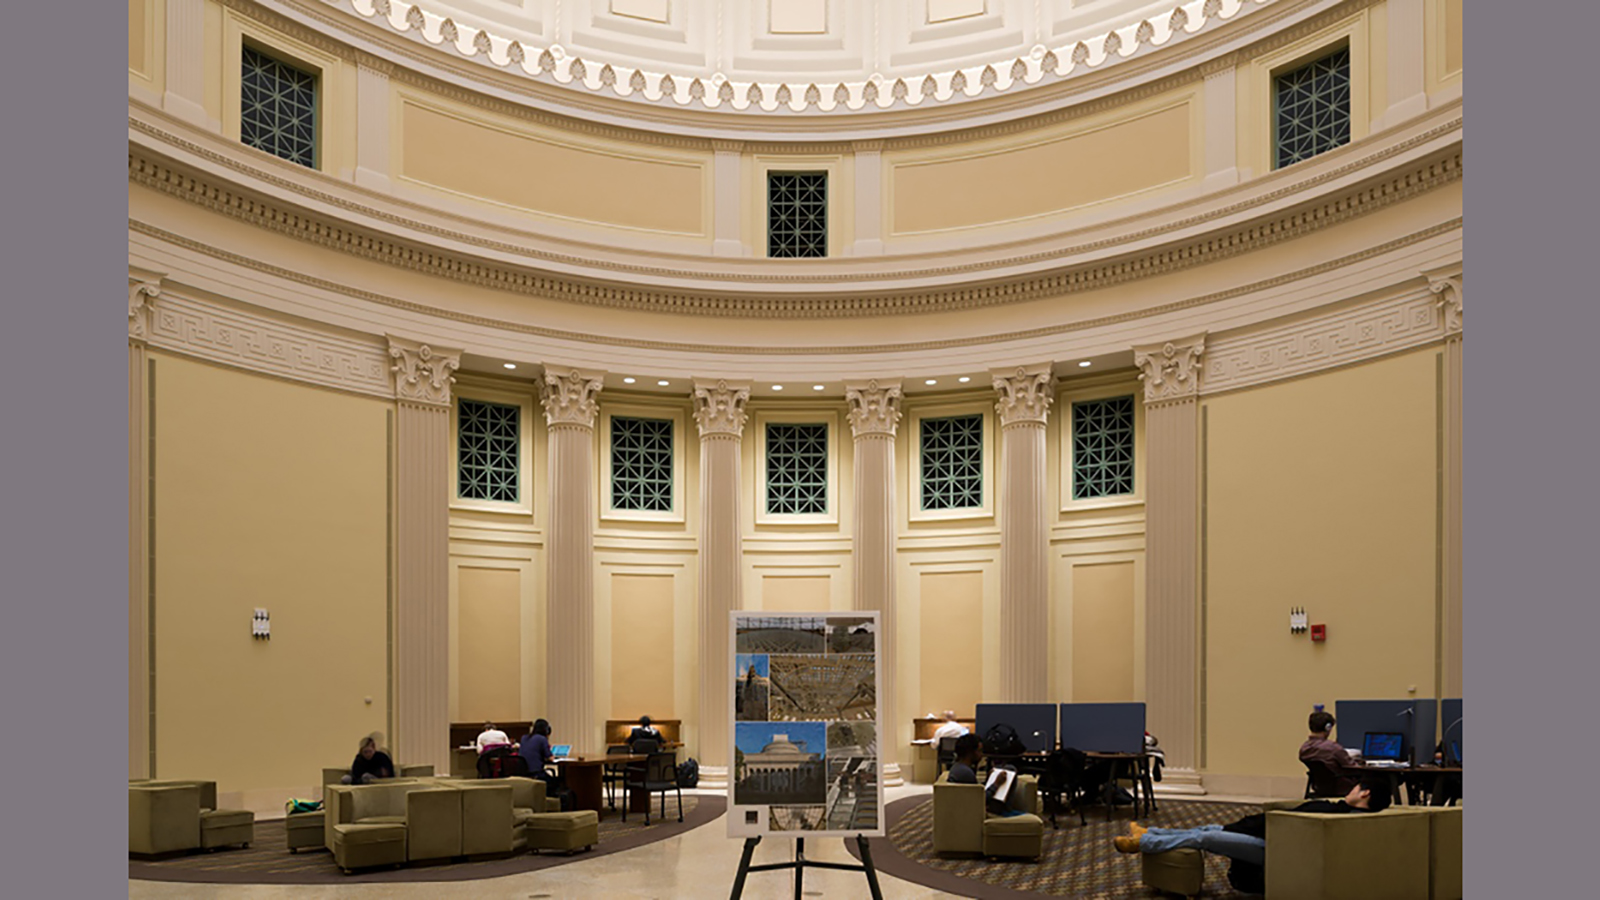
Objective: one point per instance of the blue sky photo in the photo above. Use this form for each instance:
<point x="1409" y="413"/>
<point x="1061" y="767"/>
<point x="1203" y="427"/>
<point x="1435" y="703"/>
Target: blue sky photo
<point x="752" y="736"/>
<point x="743" y="661"/>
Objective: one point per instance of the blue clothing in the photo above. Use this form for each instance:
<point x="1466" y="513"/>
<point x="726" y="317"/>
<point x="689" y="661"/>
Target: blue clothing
<point x="961" y="773"/>
<point x="1243" y="847"/>
<point x="536" y="750"/>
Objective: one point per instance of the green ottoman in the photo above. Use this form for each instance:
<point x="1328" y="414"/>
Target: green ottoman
<point x="565" y="831"/>
<point x="304" y="830"/>
<point x="1176" y="871"/>
<point x="1020" y="835"/>
<point x="361" y="846"/>
<point x="225" y="827"/>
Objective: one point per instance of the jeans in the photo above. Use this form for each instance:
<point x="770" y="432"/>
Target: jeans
<point x="1206" y="837"/>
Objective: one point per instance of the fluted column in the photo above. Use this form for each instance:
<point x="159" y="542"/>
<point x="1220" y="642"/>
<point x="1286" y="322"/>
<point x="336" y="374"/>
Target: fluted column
<point x="719" y="411"/>
<point x="143" y="288"/>
<point x="186" y="59"/>
<point x="568" y="396"/>
<point x="1446" y="286"/>
<point x="1026" y="393"/>
<point x="874" y="414"/>
<point x="1171" y="375"/>
<point x="422" y="379"/>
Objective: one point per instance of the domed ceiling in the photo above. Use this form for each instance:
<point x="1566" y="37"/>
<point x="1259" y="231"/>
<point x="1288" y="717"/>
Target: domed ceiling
<point x="798" y="56"/>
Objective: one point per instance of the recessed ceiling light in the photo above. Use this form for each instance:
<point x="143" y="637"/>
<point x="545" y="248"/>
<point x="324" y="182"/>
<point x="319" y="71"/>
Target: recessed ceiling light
<point x="963" y="379"/>
<point x="931" y="381"/>
<point x="663" y="383"/>
<point x="1084" y="364"/>
<point x="510" y="365"/>
<point x="816" y="387"/>
<point x="629" y="380"/>
<point x="777" y="387"/>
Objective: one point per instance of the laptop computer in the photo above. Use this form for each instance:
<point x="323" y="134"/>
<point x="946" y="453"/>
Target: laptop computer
<point x="1382" y="746"/>
<point x="561" y="751"/>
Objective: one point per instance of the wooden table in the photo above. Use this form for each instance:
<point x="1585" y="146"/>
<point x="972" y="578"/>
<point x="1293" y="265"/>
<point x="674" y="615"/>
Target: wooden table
<point x="1140" y="771"/>
<point x="583" y="779"/>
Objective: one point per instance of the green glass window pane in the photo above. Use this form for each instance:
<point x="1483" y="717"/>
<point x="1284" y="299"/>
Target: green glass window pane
<point x="952" y="462"/>
<point x="488" y="452"/>
<point x="277" y="108"/>
<point x="1102" y="448"/>
<point x="797" y="469"/>
<point x="641" y="464"/>
<point x="797" y="214"/>
<point x="1312" y="108"/>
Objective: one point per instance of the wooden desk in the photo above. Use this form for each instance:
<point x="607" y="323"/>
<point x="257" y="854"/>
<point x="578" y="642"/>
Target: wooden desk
<point x="923" y="729"/>
<point x="1139" y="769"/>
<point x="583" y="779"/>
<point x="617" y="731"/>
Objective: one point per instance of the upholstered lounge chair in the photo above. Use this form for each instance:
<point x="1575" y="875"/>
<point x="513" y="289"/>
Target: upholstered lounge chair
<point x="166" y="816"/>
<point x="962" y="825"/>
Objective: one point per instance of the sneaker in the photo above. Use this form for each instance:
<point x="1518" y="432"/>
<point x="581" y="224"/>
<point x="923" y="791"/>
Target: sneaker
<point x="1126" y="843"/>
<point x="1136" y="830"/>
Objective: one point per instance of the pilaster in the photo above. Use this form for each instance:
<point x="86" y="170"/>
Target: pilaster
<point x="1446" y="286"/>
<point x="725" y="193"/>
<point x="143" y="288"/>
<point x="1407" y="86"/>
<point x="372" y="128"/>
<point x="568" y="396"/>
<point x="719" y="412"/>
<point x="868" y="199"/>
<point x="422" y="380"/>
<point x="1026" y="393"/>
<point x="874" y="418"/>
<point x="1171" y="375"/>
<point x="185" y="95"/>
<point x="1221" y="123"/>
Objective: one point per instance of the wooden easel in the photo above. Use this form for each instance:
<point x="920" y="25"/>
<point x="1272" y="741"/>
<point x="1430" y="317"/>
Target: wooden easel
<point x="800" y="865"/>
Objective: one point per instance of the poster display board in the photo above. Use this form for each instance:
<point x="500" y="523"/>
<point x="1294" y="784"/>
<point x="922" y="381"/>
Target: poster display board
<point x="805" y="715"/>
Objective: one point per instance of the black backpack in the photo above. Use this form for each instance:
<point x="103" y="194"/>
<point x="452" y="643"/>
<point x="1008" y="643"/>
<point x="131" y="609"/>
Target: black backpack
<point x="688" y="773"/>
<point x="1002" y="740"/>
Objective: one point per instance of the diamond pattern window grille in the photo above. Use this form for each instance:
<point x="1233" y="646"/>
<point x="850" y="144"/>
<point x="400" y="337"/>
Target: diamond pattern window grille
<point x="487" y="451"/>
<point x="797" y="214"/>
<point x="641" y="464"/>
<point x="1102" y="448"/>
<point x="1312" y="108"/>
<point x="797" y="469"/>
<point x="952" y="462"/>
<point x="278" y="108"/>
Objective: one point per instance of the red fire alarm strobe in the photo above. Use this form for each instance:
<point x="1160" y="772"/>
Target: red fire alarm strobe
<point x="1319" y="632"/>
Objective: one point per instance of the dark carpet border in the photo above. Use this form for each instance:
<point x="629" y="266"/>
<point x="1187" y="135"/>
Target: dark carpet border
<point x="707" y="808"/>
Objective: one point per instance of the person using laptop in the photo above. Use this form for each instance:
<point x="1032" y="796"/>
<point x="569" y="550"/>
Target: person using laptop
<point x="491" y="737"/>
<point x="537" y="751"/>
<point x="1321" y="748"/>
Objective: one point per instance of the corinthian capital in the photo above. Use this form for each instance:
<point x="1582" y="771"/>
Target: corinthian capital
<point x="568" y="396"/>
<point x="1026" y="393"/>
<point x="719" y="407"/>
<point x="1170" y="370"/>
<point x="1446" y="286"/>
<point x="422" y="371"/>
<point x="874" y="407"/>
<point x="141" y="291"/>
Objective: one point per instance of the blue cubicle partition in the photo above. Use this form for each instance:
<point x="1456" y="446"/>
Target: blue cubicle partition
<point x="1035" y="722"/>
<point x="1414" y="719"/>
<point x="1103" y="727"/>
<point x="1450" y="718"/>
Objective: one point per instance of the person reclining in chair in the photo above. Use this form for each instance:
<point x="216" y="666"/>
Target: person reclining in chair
<point x="1246" y="839"/>
<point x="1321" y="748"/>
<point x="371" y="764"/>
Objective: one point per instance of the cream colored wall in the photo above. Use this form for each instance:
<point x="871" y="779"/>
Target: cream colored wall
<point x="1044" y="172"/>
<point x="1103" y="638"/>
<point x="1443" y="43"/>
<point x="147" y="38"/>
<point x="1320" y="494"/>
<point x="642" y="647"/>
<point x="489" y="623"/>
<point x="267" y="494"/>
<point x="950" y="640"/>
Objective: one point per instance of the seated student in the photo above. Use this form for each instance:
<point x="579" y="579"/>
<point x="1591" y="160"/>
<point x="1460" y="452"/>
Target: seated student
<point x="1320" y="747"/>
<point x="491" y="737"/>
<point x="1246" y="839"/>
<point x="536" y="750"/>
<point x="644" y="731"/>
<point x="950" y="728"/>
<point x="969" y="753"/>
<point x="370" y="764"/>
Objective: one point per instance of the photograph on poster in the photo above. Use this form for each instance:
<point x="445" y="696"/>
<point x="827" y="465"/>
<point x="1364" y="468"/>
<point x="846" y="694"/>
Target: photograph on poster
<point x="781" y="634"/>
<point x="750" y="687"/>
<point x="779" y="763"/>
<point x="809" y="817"/>
<point x="851" y="634"/>
<point x="852" y="802"/>
<point x="807" y="688"/>
<point x="852" y="739"/>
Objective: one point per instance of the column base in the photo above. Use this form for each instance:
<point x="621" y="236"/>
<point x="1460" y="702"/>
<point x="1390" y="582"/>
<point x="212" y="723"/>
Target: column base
<point x="713" y="777"/>
<point x="1179" y="783"/>
<point x="892" y="776"/>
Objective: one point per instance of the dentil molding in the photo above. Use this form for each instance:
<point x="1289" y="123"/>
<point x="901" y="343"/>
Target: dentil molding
<point x="1026" y="393"/>
<point x="874" y="407"/>
<point x="568" y="395"/>
<point x="719" y="408"/>
<point x="1170" y="370"/>
<point x="422" y="373"/>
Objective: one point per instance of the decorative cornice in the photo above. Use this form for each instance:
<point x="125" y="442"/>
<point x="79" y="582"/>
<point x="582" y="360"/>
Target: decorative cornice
<point x="297" y="222"/>
<point x="1170" y="370"/>
<point x="1369" y="331"/>
<point x="719" y="408"/>
<point x="296" y="276"/>
<point x="1446" y="286"/>
<point x="142" y="290"/>
<point x="1026" y="393"/>
<point x="421" y="371"/>
<point x="874" y="407"/>
<point x="568" y="395"/>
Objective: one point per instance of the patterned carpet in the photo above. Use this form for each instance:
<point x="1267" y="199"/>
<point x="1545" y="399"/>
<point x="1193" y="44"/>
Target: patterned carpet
<point x="266" y="861"/>
<point x="1078" y="860"/>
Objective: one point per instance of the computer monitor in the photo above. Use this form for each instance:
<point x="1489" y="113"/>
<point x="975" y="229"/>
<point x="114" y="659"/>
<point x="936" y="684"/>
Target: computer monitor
<point x="561" y="750"/>
<point x="1455" y="752"/>
<point x="1383" y="745"/>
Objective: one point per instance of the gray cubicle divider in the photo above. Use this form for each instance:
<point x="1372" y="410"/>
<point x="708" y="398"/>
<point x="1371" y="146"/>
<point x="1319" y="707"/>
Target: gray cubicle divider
<point x="1103" y="727"/>
<point x="1414" y="719"/>
<point x="1450" y="717"/>
<point x="1035" y="722"/>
